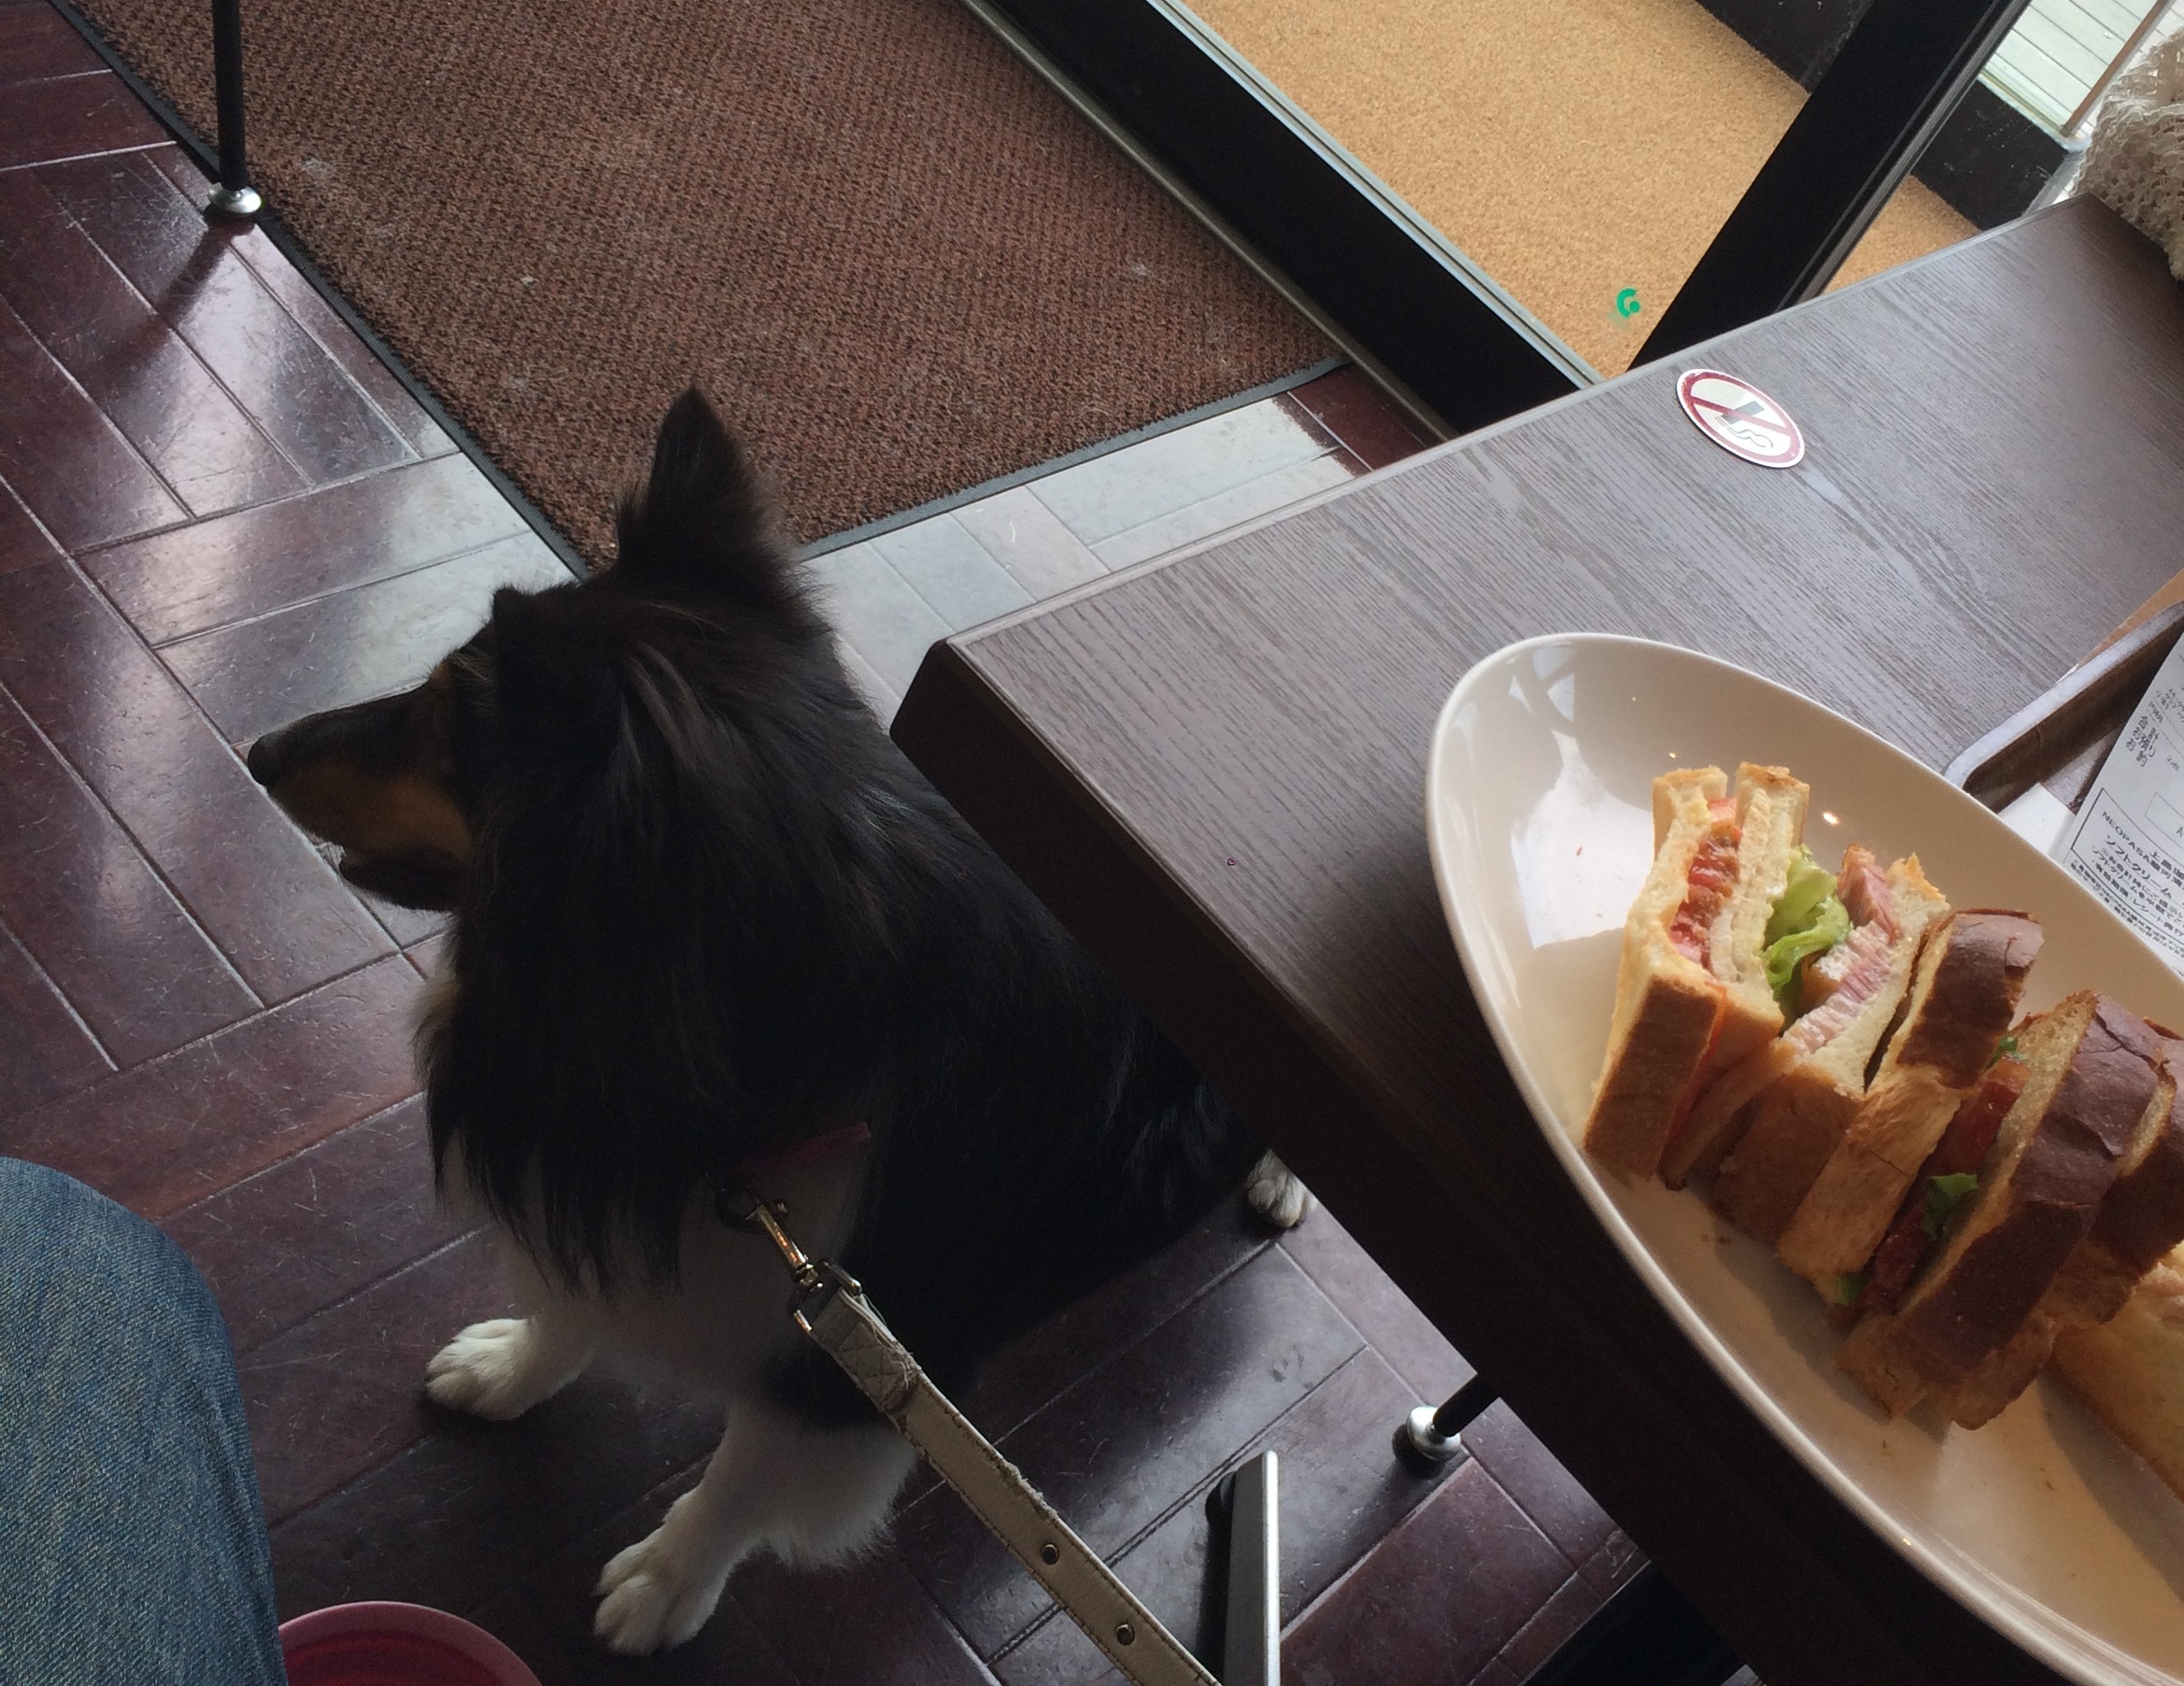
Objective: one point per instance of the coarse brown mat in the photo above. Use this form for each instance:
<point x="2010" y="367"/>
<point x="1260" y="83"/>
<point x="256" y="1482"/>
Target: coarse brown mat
<point x="900" y="263"/>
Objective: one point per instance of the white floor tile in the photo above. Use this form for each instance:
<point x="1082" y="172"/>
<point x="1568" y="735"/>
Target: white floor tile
<point x="952" y="571"/>
<point x="1158" y="476"/>
<point x="1231" y="508"/>
<point x="877" y="613"/>
<point x="1029" y="539"/>
<point x="883" y="701"/>
<point x="891" y="598"/>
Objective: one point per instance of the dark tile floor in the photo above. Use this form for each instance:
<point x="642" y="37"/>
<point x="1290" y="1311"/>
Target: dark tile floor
<point x="216" y="512"/>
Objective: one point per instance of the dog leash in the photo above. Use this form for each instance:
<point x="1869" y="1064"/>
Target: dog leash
<point x="829" y="1306"/>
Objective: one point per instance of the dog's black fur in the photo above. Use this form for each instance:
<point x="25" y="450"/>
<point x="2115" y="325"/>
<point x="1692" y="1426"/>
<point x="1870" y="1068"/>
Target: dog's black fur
<point x="709" y="911"/>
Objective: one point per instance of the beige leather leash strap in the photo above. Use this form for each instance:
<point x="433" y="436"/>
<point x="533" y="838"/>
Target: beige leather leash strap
<point x="832" y="1310"/>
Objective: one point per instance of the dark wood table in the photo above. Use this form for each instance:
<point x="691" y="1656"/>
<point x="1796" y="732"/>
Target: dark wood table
<point x="1213" y="769"/>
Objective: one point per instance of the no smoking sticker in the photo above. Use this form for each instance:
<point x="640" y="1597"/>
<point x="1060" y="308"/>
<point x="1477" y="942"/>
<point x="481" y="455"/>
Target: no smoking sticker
<point x="1741" y="419"/>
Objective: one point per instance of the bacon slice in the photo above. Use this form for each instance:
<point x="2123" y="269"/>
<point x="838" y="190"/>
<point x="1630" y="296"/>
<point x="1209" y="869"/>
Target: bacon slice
<point x="1863" y="888"/>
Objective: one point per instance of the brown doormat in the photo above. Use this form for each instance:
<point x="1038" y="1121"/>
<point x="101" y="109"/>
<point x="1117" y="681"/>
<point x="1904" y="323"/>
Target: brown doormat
<point x="900" y="263"/>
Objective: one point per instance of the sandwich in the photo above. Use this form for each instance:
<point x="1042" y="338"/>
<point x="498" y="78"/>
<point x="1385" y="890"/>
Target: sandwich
<point x="1836" y="1048"/>
<point x="1815" y="1075"/>
<point x="1946" y="1074"/>
<point x="2140" y="1220"/>
<point x="1692" y="998"/>
<point x="2130" y="1368"/>
<point x="1808" y="920"/>
<point x="2093" y="1086"/>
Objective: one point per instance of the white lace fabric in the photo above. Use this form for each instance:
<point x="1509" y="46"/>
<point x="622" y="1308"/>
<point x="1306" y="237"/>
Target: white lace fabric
<point x="2134" y="163"/>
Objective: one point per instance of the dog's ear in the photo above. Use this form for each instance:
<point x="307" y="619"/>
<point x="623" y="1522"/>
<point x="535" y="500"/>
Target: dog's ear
<point x="700" y="524"/>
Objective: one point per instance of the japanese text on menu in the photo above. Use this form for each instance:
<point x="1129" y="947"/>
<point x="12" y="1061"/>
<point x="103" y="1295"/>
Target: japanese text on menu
<point x="2128" y="841"/>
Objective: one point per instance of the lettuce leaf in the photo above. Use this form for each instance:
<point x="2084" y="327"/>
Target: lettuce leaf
<point x="1943" y="1195"/>
<point x="1809" y="920"/>
<point x="1805" y="887"/>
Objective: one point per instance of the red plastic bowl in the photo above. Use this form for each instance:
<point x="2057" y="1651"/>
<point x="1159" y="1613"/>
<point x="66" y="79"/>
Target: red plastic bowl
<point x="395" y="1644"/>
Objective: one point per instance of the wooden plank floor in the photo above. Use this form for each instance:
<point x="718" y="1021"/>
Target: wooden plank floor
<point x="218" y="511"/>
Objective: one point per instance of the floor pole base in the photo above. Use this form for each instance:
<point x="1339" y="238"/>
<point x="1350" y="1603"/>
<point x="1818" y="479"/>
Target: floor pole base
<point x="240" y="203"/>
<point x="1420" y="1442"/>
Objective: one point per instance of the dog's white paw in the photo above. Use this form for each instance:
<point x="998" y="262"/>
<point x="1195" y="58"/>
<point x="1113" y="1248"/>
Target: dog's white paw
<point x="1274" y="1191"/>
<point x="657" y="1592"/>
<point x="497" y="1371"/>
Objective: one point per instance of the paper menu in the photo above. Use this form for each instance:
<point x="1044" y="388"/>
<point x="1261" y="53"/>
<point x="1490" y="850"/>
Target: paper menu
<point x="2126" y="842"/>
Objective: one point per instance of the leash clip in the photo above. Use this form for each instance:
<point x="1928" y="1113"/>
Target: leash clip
<point x="740" y="1209"/>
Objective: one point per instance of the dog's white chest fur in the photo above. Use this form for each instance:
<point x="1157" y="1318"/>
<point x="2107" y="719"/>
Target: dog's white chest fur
<point x="775" y="1485"/>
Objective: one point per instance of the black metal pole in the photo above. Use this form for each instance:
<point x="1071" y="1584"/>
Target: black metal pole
<point x="1458" y="1411"/>
<point x="234" y="195"/>
<point x="1898" y="77"/>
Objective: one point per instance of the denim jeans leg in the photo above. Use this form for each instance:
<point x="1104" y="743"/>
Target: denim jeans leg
<point x="132" y="1541"/>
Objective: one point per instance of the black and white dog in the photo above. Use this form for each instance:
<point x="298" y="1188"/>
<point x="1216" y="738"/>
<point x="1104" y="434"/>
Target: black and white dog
<point x="711" y="928"/>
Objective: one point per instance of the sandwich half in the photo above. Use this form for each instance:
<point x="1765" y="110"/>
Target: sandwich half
<point x="1808" y="920"/>
<point x="2092" y="1079"/>
<point x="1803" y="1113"/>
<point x="2130" y="1369"/>
<point x="2139" y="1220"/>
<point x="1691" y="992"/>
<point x="1971" y="971"/>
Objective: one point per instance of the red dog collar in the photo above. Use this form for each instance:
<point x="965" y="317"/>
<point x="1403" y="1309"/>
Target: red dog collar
<point x="810" y="1150"/>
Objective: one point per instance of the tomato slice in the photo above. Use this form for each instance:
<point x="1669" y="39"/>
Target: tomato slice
<point x="1713" y="873"/>
<point x="1962" y="1147"/>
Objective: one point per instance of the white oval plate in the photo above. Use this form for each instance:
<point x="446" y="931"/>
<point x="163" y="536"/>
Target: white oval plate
<point x="1538" y="811"/>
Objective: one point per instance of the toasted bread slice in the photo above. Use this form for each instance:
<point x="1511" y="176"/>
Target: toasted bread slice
<point x="1667" y="1005"/>
<point x="2092" y="1073"/>
<point x="1971" y="971"/>
<point x="2131" y="1369"/>
<point x="1660" y="983"/>
<point x="1803" y="1116"/>
<point x="2140" y="1222"/>
<point x="2091" y="1287"/>
<point x="1709" y="1132"/>
<point x="1985" y="1391"/>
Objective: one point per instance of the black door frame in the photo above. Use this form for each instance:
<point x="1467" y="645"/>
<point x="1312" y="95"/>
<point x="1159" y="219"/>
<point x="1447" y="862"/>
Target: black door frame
<point x="1899" y="75"/>
<point x="1269" y="181"/>
<point x="1392" y="289"/>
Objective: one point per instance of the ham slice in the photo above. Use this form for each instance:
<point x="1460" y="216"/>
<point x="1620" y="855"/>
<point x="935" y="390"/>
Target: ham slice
<point x="1854" y="969"/>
